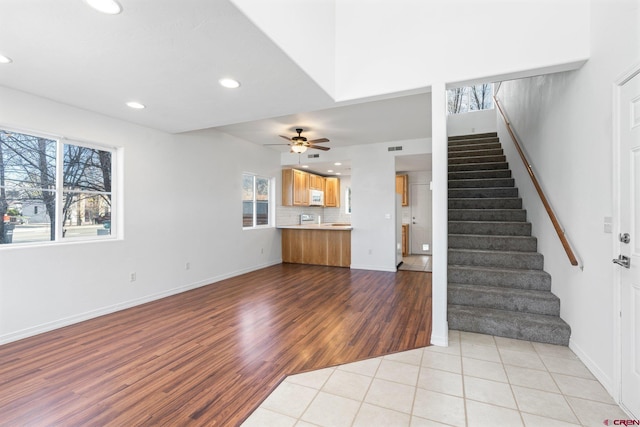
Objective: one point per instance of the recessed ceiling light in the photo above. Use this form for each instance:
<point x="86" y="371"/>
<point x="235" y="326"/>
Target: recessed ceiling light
<point x="338" y="173"/>
<point x="136" y="105"/>
<point x="5" y="59"/>
<point x="330" y="170"/>
<point x="110" y="7"/>
<point x="229" y="83"/>
<point x="305" y="166"/>
<point x="337" y="164"/>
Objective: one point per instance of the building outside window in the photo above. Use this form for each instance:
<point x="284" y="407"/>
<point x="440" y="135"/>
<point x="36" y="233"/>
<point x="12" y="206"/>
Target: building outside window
<point x="256" y="201"/>
<point x="53" y="190"/>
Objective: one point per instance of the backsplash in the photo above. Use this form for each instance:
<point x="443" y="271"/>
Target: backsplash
<point x="288" y="215"/>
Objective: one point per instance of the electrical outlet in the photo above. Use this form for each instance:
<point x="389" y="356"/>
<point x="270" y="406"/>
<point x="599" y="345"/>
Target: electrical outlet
<point x="187" y="266"/>
<point x="132" y="277"/>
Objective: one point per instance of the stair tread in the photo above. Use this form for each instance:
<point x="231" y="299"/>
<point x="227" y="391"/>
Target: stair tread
<point x="494" y="236"/>
<point x="492" y="312"/>
<point x="546" y="295"/>
<point x="500" y="269"/>
<point x="493" y="251"/>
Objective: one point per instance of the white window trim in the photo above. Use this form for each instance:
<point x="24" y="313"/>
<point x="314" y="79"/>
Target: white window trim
<point x="116" y="191"/>
<point x="271" y="207"/>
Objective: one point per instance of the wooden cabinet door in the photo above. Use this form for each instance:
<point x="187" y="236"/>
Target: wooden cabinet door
<point x="332" y="192"/>
<point x="316" y="182"/>
<point x="300" y="188"/>
<point x="402" y="187"/>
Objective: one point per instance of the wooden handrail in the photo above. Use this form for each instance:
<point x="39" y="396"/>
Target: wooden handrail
<point x="536" y="184"/>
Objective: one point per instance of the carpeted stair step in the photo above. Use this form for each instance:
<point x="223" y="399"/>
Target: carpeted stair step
<point x="478" y="166"/>
<point x="504" y="277"/>
<point x="498" y="203"/>
<point x="509" y="215"/>
<point x="475" y="146"/>
<point x="495" y="158"/>
<point x="494" y="243"/>
<point x="481" y="183"/>
<point x="498" y="228"/>
<point x="499" y="259"/>
<point x="476" y="153"/>
<point x="510" y="324"/>
<point x="484" y="193"/>
<point x="473" y="136"/>
<point x="521" y="300"/>
<point x="480" y="174"/>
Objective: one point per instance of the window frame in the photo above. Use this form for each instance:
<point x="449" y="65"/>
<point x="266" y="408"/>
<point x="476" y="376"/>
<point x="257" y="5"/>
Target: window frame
<point x="270" y="202"/>
<point x="60" y="191"/>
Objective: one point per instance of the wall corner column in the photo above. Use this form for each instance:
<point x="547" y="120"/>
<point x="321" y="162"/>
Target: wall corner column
<point x="440" y="328"/>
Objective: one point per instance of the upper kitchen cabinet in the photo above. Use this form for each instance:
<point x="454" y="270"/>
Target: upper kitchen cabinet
<point x="332" y="192"/>
<point x="295" y="188"/>
<point x="402" y="188"/>
<point x="316" y="182"/>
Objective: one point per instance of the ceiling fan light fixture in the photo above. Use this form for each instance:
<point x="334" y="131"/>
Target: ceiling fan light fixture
<point x="109" y="7"/>
<point x="298" y="149"/>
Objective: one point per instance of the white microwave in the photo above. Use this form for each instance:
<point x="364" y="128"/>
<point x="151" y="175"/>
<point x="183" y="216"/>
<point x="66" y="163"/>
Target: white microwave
<point x="316" y="198"/>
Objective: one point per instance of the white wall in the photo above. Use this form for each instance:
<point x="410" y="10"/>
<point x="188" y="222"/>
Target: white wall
<point x="356" y="48"/>
<point x="565" y="123"/>
<point x="304" y="30"/>
<point x="181" y="203"/>
<point x="482" y="121"/>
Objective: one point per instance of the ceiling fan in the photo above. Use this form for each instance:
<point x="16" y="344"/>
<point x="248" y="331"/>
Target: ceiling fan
<point x="299" y="143"/>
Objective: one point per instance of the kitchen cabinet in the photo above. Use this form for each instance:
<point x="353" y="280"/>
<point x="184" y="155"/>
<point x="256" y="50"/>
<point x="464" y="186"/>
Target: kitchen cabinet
<point x="295" y="188"/>
<point x="318" y="247"/>
<point x="316" y="182"/>
<point x="332" y="192"/>
<point x="402" y="188"/>
<point x="405" y="239"/>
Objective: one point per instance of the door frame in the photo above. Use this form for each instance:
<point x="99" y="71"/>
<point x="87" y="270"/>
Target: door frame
<point x="616" y="245"/>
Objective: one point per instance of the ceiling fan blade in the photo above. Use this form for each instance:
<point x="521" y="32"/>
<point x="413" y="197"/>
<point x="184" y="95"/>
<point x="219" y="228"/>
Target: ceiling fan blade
<point x="264" y="145"/>
<point x="316" y="141"/>
<point x="319" y="147"/>
<point x="285" y="137"/>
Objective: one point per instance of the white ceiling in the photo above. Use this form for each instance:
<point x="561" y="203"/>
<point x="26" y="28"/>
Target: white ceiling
<point x="169" y="56"/>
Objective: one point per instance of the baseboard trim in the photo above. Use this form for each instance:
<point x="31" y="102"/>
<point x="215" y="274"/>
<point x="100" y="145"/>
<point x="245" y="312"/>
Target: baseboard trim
<point x="81" y="317"/>
<point x="441" y="340"/>
<point x="604" y="379"/>
<point x="373" y="267"/>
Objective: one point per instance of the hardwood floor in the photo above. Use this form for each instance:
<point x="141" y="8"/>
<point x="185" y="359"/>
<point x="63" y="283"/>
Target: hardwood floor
<point x="211" y="355"/>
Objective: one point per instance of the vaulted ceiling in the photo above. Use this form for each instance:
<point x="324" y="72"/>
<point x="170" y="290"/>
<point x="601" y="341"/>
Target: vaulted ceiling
<point x="169" y="56"/>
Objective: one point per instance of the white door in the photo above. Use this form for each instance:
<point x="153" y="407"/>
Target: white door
<point x="420" y="227"/>
<point x="630" y="223"/>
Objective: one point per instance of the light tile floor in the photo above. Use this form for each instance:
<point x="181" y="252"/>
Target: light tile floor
<point x="479" y="380"/>
<point x="416" y="263"/>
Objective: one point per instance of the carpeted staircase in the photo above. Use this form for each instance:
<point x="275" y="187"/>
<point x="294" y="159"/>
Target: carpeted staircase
<point x="497" y="285"/>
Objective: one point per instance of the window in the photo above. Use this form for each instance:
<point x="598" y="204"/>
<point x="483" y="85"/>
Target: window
<point x="256" y="195"/>
<point x="53" y="190"/>
<point x="470" y="98"/>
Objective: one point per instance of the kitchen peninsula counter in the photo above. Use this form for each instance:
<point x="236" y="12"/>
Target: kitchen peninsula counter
<point x="318" y="244"/>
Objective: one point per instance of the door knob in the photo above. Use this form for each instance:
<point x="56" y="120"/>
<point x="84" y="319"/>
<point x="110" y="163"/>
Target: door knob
<point x="622" y="260"/>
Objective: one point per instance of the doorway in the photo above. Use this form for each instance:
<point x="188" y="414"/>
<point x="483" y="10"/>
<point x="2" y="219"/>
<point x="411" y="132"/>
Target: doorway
<point x="628" y="244"/>
<point x="420" y="228"/>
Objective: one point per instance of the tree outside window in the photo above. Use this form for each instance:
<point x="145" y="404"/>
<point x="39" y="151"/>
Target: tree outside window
<point x="470" y="98"/>
<point x="256" y="210"/>
<point x="50" y="190"/>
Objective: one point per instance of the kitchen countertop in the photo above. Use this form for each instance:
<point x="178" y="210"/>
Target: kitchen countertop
<point x="325" y="226"/>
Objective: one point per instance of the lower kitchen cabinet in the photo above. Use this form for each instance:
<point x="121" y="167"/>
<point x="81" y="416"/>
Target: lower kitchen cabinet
<point x="319" y="247"/>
